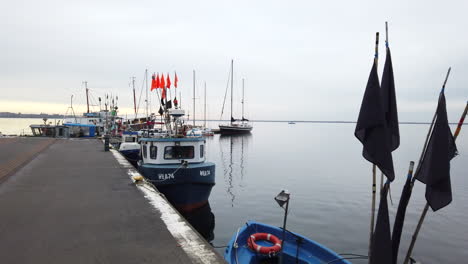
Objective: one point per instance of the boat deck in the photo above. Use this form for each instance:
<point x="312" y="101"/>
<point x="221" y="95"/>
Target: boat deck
<point x="68" y="201"/>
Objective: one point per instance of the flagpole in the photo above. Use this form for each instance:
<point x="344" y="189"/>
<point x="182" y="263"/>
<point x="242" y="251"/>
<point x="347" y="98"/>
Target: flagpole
<point x="386" y="45"/>
<point x="426" y="207"/>
<point x="376" y="59"/>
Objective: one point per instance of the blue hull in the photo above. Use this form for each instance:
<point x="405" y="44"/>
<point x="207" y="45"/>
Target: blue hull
<point x="132" y="155"/>
<point x="186" y="188"/>
<point x="310" y="251"/>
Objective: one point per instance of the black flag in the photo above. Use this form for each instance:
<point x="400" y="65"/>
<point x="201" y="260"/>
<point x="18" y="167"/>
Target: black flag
<point x="169" y="104"/>
<point x="435" y="166"/>
<point x="400" y="217"/>
<point x="389" y="103"/>
<point x="161" y="111"/>
<point x="371" y="128"/>
<point x="381" y="251"/>
<point x="232" y="119"/>
<point x="162" y="101"/>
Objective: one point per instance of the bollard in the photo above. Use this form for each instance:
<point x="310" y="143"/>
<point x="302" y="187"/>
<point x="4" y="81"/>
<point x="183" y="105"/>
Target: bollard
<point x="106" y="142"/>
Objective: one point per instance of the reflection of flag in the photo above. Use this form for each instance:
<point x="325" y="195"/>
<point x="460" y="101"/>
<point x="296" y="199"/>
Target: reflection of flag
<point x="389" y="103"/>
<point x="176" y="80"/>
<point x="168" y="81"/>
<point x="161" y="82"/>
<point x="157" y="81"/>
<point x="435" y="166"/>
<point x="371" y="128"/>
<point x="153" y="83"/>
<point x="176" y="103"/>
<point x="381" y="249"/>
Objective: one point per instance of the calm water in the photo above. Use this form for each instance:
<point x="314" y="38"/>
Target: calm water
<point x="321" y="165"/>
<point x="20" y="126"/>
<point x="330" y="184"/>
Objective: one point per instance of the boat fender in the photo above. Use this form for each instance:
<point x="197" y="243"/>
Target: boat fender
<point x="264" y="250"/>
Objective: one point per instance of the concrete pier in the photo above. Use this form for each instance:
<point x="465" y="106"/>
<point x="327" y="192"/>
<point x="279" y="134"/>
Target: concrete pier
<point x="68" y="201"/>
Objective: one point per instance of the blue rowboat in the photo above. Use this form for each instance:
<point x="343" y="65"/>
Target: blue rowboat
<point x="296" y="248"/>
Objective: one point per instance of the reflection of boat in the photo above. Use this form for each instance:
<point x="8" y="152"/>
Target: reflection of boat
<point x="203" y="220"/>
<point x="176" y="165"/>
<point x="296" y="248"/>
<point x="231" y="167"/>
<point x="236" y="127"/>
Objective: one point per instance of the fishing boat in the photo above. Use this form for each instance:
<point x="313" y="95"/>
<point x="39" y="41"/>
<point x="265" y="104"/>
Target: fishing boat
<point x="129" y="146"/>
<point x="257" y="242"/>
<point x="291" y="122"/>
<point x="236" y="126"/>
<point x="176" y="164"/>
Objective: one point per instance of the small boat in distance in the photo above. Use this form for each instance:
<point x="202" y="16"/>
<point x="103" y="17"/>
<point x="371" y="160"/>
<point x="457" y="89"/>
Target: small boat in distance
<point x="291" y="122"/>
<point x="236" y="126"/>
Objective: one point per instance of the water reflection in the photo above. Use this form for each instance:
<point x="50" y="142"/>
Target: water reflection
<point x="203" y="220"/>
<point x="233" y="161"/>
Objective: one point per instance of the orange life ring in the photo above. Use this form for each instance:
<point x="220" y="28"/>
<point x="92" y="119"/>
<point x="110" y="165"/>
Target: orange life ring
<point x="264" y="250"/>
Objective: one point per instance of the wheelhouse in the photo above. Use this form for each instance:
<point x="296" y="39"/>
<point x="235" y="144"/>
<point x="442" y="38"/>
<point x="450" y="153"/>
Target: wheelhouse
<point x="172" y="150"/>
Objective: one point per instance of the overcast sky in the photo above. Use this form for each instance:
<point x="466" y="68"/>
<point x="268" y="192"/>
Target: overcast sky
<point x="301" y="60"/>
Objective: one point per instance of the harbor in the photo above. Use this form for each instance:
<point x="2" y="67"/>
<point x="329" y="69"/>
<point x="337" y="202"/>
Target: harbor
<point x="70" y="201"/>
<point x="239" y="132"/>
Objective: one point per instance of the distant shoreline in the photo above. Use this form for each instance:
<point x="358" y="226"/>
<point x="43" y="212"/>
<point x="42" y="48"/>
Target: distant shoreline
<point x="57" y="116"/>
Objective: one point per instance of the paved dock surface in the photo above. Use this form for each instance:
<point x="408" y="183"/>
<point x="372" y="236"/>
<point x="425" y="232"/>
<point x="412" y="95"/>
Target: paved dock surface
<point x="74" y="203"/>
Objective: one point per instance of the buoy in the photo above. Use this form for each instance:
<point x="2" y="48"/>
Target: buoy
<point x="137" y="178"/>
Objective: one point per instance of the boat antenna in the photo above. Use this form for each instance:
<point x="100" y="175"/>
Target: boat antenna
<point x="146" y="85"/>
<point x="134" y="96"/>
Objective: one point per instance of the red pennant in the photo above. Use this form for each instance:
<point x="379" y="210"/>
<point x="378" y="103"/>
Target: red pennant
<point x="163" y="94"/>
<point x="153" y="82"/>
<point x="161" y="82"/>
<point x="157" y="81"/>
<point x="168" y="81"/>
<point x="176" y="80"/>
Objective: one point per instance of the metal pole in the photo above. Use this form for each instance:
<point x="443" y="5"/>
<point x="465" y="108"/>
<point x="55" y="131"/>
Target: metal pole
<point x="242" y="99"/>
<point x="193" y="98"/>
<point x="371" y="229"/>
<point x="284" y="232"/>
<point x="87" y="99"/>
<point x="204" y="124"/>
<point x="232" y="84"/>
<point x="146" y="84"/>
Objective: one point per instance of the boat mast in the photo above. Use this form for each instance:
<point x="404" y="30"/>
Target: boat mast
<point x="87" y="98"/>
<point x="242" y="100"/>
<point x="204" y="124"/>
<point x="232" y="84"/>
<point x="146" y="81"/>
<point x="194" y="98"/>
<point x="134" y="96"/>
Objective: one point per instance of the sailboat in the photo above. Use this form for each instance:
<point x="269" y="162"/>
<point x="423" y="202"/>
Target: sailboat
<point x="236" y="127"/>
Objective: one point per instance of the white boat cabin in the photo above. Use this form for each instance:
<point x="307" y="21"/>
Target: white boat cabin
<point x="172" y="150"/>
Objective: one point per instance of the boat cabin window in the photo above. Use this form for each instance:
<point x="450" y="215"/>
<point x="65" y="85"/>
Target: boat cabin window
<point x="202" y="150"/>
<point x="153" y="152"/>
<point x="179" y="152"/>
<point x="144" y="151"/>
<point x="130" y="139"/>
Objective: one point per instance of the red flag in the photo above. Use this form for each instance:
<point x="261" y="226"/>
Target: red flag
<point x="153" y="82"/>
<point x="175" y="80"/>
<point x="176" y="102"/>
<point x="157" y="81"/>
<point x="161" y="82"/>
<point x="168" y="81"/>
